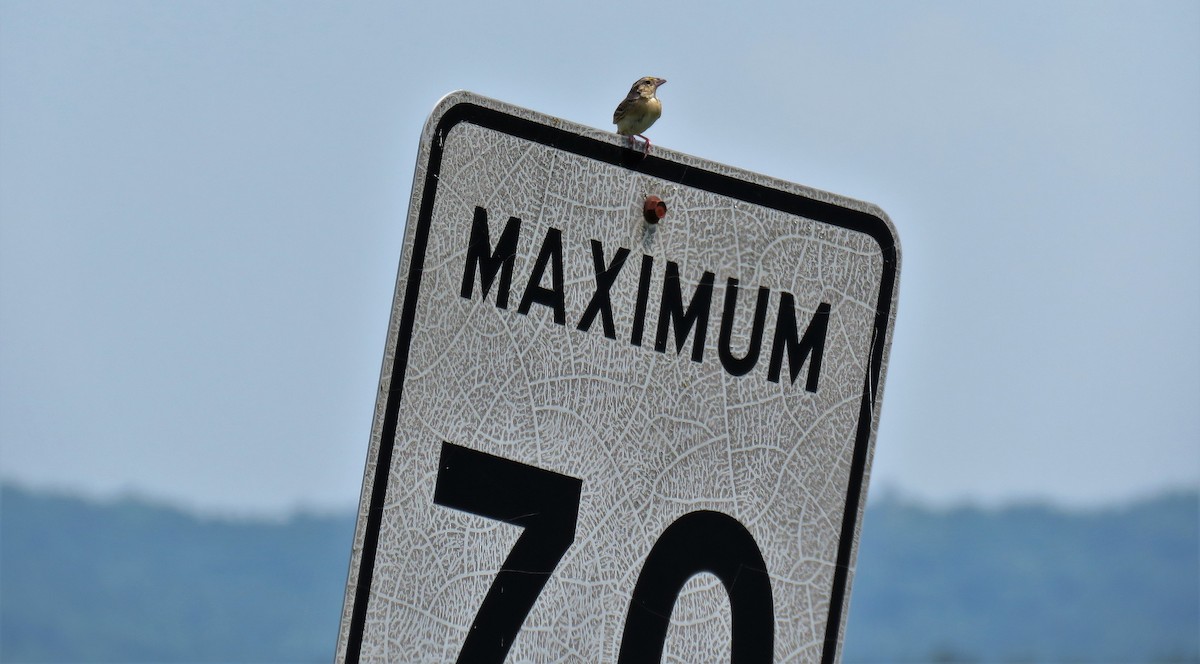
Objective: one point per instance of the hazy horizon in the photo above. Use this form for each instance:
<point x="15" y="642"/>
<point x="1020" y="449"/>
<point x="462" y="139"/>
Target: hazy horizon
<point x="878" y="495"/>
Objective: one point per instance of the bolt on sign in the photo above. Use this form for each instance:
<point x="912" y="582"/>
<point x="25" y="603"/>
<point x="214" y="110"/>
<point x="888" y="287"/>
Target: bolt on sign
<point x="611" y="427"/>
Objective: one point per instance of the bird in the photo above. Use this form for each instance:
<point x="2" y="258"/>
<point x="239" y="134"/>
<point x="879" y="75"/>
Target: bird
<point x="639" y="109"/>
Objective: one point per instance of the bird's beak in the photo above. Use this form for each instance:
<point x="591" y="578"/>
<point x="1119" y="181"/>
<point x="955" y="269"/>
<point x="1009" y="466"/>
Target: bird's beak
<point x="659" y="81"/>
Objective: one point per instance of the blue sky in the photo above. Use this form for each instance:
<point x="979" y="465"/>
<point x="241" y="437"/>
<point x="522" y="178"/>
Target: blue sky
<point x="202" y="206"/>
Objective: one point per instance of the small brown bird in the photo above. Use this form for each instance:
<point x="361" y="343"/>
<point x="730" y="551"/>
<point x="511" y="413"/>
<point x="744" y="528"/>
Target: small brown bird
<point x="639" y="109"/>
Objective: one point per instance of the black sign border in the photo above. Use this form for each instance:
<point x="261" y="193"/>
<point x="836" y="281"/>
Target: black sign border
<point x="682" y="174"/>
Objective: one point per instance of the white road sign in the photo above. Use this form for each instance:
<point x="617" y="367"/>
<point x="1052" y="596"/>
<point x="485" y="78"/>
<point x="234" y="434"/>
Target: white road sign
<point x="601" y="439"/>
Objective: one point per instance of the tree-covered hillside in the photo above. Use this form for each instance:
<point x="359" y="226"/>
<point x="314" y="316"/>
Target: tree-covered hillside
<point x="129" y="581"/>
<point x="1028" y="584"/>
<point x="133" y="582"/>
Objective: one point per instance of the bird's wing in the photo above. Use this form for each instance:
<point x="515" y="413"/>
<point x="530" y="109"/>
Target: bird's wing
<point x="623" y="107"/>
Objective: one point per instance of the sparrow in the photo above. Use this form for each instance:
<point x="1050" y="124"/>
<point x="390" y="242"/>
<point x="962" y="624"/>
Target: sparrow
<point x="639" y="109"/>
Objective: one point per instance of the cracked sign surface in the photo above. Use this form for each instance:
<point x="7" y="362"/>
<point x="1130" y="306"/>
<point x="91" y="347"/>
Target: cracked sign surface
<point x="599" y="439"/>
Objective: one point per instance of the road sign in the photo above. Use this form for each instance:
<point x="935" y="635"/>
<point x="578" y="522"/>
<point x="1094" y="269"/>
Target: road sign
<point x="601" y="438"/>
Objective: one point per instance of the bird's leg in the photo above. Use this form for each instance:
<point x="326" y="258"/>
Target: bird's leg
<point x="647" y="143"/>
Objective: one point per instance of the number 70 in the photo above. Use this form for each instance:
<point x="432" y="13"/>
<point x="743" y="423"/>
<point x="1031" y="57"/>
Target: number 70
<point x="546" y="505"/>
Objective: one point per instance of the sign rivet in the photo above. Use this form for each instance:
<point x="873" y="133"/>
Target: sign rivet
<point x="654" y="209"/>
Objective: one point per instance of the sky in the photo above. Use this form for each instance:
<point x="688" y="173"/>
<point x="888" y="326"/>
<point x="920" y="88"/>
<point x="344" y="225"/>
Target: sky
<point x="202" y="207"/>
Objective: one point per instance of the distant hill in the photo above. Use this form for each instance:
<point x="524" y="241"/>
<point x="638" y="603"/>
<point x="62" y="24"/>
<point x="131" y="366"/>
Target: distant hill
<point x="1028" y="584"/>
<point x="129" y="581"/>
